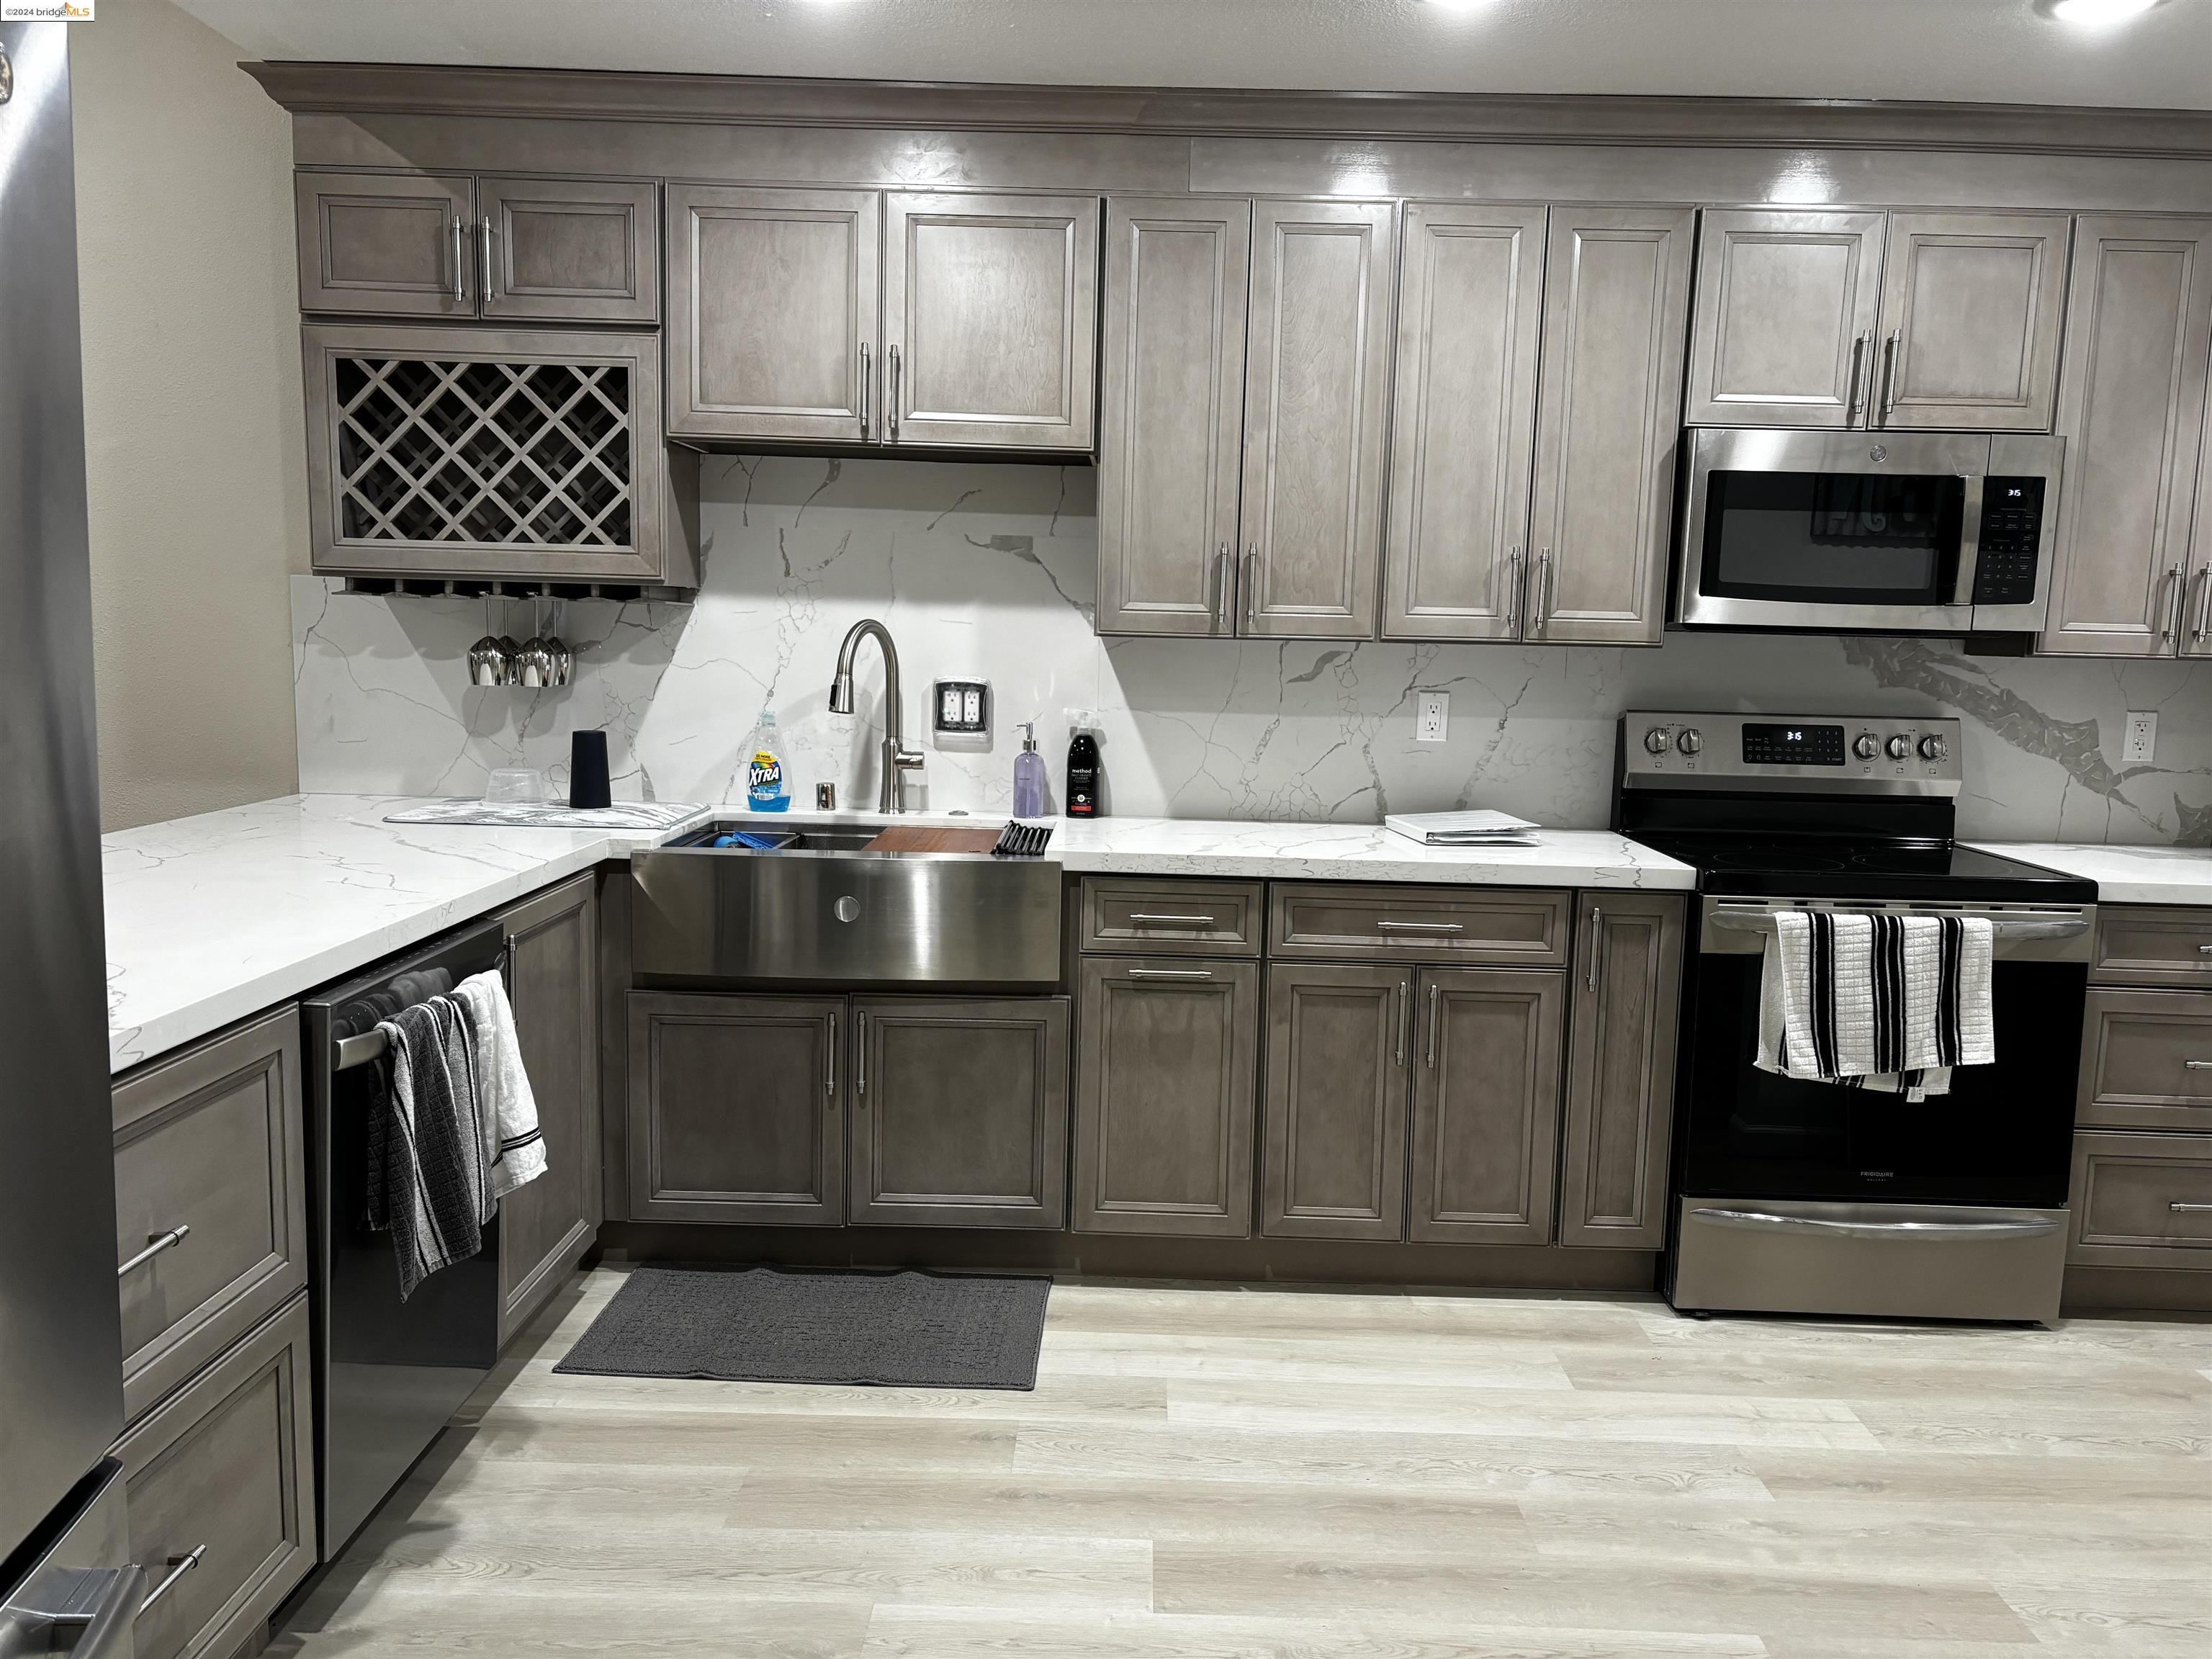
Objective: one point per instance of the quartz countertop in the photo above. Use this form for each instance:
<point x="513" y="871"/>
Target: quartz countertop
<point x="2124" y="875"/>
<point x="212" y="919"/>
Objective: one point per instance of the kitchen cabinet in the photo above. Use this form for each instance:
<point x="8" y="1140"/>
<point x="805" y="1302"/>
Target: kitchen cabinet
<point x="1540" y="372"/>
<point x="1620" y="1071"/>
<point x="1354" y="921"/>
<point x="773" y="302"/>
<point x="459" y="247"/>
<point x="1171" y="416"/>
<point x="546" y="1226"/>
<point x="484" y="453"/>
<point x="959" y="1111"/>
<point x="221" y="1483"/>
<point x="1171" y="915"/>
<point x="2141" y="1200"/>
<point x="1334" y="1112"/>
<point x="1486" y="1105"/>
<point x="1166" y="1066"/>
<point x="2131" y="409"/>
<point x="2147" y="1060"/>
<point x="1828" y="318"/>
<point x="737" y="1109"/>
<point x="1470" y="315"/>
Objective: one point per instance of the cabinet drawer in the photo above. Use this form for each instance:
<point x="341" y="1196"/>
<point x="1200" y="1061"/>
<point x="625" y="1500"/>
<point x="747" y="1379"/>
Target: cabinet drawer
<point x="209" y="1201"/>
<point x="1521" y="928"/>
<point x="2139" y="945"/>
<point x="223" y="1476"/>
<point x="2141" y="1200"/>
<point x="1171" y="917"/>
<point x="2147" y="1060"/>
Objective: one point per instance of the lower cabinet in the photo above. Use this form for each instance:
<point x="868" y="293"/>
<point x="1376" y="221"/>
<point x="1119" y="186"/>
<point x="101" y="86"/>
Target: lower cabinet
<point x="1486" y="1106"/>
<point x="736" y="1109"/>
<point x="221" y="1495"/>
<point x="2141" y="1200"/>
<point x="1620" y="1071"/>
<point x="1164" y="1096"/>
<point x="960" y="1111"/>
<point x="1335" y="1107"/>
<point x="545" y="1227"/>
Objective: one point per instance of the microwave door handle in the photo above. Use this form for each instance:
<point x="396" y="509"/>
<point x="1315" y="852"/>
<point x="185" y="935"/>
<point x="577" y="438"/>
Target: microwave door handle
<point x="1970" y="544"/>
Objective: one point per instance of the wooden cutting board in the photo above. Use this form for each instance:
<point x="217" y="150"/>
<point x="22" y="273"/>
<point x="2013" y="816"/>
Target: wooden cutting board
<point x="935" y="838"/>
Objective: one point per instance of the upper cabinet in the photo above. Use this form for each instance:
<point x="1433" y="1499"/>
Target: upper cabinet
<point x="1832" y="319"/>
<point x="1246" y="379"/>
<point x="458" y="245"/>
<point x="851" y="316"/>
<point x="2125" y="581"/>
<point x="1538" y="399"/>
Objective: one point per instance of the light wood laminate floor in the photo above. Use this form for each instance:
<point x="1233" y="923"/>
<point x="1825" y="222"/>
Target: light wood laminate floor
<point x="1215" y="1472"/>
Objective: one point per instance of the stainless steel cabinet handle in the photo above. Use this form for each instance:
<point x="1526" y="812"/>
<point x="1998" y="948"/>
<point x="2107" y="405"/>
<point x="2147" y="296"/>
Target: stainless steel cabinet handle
<point x="1889" y="350"/>
<point x="1248" y="585"/>
<point x="155" y="1243"/>
<point x="2204" y="950"/>
<point x="2179" y="1208"/>
<point x="2201" y="585"/>
<point x="485" y="284"/>
<point x="1436" y="1016"/>
<point x="1858" y="364"/>
<point x="1516" y="578"/>
<point x="1173" y="921"/>
<point x="1171" y="973"/>
<point x="891" y="396"/>
<point x="2168" y="612"/>
<point x="1223" y="581"/>
<point x="179" y="1566"/>
<point x="1540" y="611"/>
<point x="1597" y="946"/>
<point x="2196" y="1065"/>
<point x="1383" y="925"/>
<point x="860" y="1055"/>
<point x="460" y="261"/>
<point x="1398" y="1020"/>
<point x="829" y="1048"/>
<point x="1763" y="1221"/>
<point x="867" y="374"/>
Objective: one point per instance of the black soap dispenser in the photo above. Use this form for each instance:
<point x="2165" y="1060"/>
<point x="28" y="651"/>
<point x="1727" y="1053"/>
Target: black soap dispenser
<point x="1083" y="775"/>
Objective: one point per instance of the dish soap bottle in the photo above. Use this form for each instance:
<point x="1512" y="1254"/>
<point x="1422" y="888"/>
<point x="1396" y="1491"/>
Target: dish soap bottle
<point x="1029" y="776"/>
<point x="1083" y="775"/>
<point x="764" y="790"/>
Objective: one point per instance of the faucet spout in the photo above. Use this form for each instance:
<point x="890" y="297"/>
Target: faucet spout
<point x="896" y="756"/>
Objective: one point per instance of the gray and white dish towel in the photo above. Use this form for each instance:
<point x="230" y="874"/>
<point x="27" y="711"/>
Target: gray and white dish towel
<point x="1876" y="999"/>
<point x="453" y="1128"/>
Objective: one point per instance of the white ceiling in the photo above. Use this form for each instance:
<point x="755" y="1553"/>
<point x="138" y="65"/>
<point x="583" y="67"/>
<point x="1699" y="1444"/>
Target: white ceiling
<point x="1999" y="50"/>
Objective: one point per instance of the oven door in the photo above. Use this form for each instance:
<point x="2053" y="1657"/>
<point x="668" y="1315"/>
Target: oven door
<point x="1831" y="530"/>
<point x="2003" y="1136"/>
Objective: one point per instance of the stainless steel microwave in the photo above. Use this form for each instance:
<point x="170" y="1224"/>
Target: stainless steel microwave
<point x="1890" y="532"/>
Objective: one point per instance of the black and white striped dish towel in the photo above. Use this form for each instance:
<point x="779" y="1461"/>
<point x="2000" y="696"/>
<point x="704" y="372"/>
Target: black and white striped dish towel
<point x="1875" y="1000"/>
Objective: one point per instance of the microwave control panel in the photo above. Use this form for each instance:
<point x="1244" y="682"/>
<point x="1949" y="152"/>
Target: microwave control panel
<point x="2012" y="530"/>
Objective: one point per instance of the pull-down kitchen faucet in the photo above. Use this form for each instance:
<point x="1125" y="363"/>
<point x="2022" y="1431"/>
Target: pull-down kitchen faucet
<point x="897" y="757"/>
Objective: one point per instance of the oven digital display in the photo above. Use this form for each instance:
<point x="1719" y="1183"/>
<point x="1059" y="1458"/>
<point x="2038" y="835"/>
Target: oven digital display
<point x="1776" y="744"/>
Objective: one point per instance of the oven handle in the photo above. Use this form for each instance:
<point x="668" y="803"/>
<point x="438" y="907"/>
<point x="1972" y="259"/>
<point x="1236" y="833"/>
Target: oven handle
<point x="1766" y="1221"/>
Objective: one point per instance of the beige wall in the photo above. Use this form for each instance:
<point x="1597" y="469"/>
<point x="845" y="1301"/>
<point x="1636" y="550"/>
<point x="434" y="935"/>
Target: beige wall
<point x="192" y="424"/>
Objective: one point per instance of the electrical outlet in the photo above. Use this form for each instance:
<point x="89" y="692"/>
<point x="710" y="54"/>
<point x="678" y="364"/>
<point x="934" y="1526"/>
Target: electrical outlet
<point x="1431" y="714"/>
<point x="2140" y="745"/>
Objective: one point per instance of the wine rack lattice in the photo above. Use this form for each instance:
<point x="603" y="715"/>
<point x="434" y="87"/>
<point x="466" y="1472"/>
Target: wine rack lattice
<point x="485" y="453"/>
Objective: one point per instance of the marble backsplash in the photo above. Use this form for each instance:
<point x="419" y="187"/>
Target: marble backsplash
<point x="989" y="571"/>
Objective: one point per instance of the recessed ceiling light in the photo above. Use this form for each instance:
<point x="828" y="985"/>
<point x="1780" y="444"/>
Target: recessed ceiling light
<point x="2098" y="13"/>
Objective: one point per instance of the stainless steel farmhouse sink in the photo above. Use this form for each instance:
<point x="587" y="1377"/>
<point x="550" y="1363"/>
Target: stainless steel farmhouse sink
<point x="822" y="910"/>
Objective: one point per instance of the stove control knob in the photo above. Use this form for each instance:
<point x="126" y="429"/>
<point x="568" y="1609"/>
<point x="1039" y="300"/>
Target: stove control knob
<point x="1932" y="748"/>
<point x="1898" y="747"/>
<point x="1689" y="740"/>
<point x="1866" y="745"/>
<point x="1657" y="741"/>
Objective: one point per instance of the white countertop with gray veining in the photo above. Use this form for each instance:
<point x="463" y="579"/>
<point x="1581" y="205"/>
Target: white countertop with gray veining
<point x="2124" y="875"/>
<point x="211" y="919"/>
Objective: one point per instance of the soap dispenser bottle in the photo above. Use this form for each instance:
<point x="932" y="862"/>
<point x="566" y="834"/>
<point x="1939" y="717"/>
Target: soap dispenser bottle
<point x="1029" y="776"/>
<point x="1083" y="775"/>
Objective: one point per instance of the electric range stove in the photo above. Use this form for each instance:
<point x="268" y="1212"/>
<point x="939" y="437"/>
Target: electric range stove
<point x="1791" y="1196"/>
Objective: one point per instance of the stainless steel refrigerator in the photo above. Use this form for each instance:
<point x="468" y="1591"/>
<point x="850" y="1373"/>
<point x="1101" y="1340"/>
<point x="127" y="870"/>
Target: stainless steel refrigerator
<point x="66" y="1585"/>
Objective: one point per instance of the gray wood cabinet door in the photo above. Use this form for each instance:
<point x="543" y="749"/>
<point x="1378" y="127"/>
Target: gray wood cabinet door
<point x="2196" y="628"/>
<point x="1486" y="1105"/>
<point x="774" y="312"/>
<point x="1470" y="312"/>
<point x="569" y="250"/>
<point x="1787" y="304"/>
<point x="1971" y="304"/>
<point x="991" y="320"/>
<point x="1616" y="295"/>
<point x="2131" y="409"/>
<point x="387" y="245"/>
<point x="737" y="1109"/>
<point x="222" y="1474"/>
<point x="1339" y="1071"/>
<point x="545" y="1227"/>
<point x="1316" y="383"/>
<point x="1620" y="1071"/>
<point x="960" y="1111"/>
<point x="1171" y="408"/>
<point x="1165" y="1067"/>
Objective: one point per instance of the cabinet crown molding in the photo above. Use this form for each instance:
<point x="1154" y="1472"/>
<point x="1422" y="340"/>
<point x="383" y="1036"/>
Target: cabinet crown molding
<point x="353" y="88"/>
